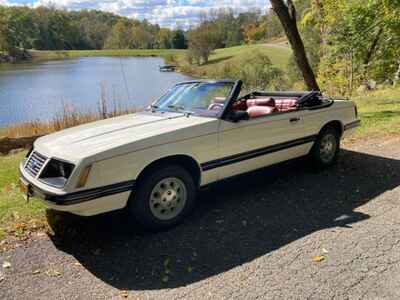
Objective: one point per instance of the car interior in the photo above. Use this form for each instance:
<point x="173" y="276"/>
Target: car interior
<point x="259" y="104"/>
<point x="262" y="105"/>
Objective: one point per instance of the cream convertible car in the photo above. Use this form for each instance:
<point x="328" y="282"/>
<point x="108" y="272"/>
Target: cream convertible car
<point x="153" y="163"/>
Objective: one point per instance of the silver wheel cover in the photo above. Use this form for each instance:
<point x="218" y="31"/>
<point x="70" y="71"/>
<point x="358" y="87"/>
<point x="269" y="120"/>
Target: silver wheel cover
<point x="168" y="198"/>
<point x="328" y="147"/>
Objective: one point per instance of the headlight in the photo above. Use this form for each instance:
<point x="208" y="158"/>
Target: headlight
<point x="56" y="173"/>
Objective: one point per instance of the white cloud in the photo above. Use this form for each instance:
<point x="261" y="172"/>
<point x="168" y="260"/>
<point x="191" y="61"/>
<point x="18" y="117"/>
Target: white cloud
<point x="169" y="13"/>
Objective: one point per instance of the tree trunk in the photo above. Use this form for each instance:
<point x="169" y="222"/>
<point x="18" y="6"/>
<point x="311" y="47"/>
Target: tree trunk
<point x="372" y="48"/>
<point x="397" y="75"/>
<point x="287" y="15"/>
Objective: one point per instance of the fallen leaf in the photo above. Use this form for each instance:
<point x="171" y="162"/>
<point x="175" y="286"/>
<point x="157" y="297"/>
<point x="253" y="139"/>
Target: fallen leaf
<point x="1" y="277"/>
<point x="190" y="269"/>
<point x="78" y="264"/>
<point x="36" y="272"/>
<point x="124" y="294"/>
<point x="325" y="251"/>
<point x="53" y="273"/>
<point x="165" y="279"/>
<point x="6" y="265"/>
<point x="318" y="258"/>
<point x="20" y="226"/>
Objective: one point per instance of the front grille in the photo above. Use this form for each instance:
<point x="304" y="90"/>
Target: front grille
<point x="35" y="163"/>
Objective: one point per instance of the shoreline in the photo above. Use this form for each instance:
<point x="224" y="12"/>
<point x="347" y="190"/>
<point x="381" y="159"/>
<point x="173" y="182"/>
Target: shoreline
<point x="41" y="55"/>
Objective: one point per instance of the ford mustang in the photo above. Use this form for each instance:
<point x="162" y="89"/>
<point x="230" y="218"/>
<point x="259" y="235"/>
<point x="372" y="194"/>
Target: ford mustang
<point x="153" y="163"/>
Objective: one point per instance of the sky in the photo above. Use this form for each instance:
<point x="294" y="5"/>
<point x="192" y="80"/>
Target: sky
<point x="167" y="13"/>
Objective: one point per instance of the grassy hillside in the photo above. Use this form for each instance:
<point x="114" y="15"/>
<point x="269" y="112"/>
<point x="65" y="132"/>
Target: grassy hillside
<point x="278" y="53"/>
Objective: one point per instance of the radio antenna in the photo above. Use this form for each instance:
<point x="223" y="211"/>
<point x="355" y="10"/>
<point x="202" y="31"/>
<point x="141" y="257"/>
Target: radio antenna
<point x="124" y="77"/>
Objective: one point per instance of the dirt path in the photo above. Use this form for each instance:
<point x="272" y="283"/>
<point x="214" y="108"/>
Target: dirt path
<point x="279" y="45"/>
<point x="250" y="238"/>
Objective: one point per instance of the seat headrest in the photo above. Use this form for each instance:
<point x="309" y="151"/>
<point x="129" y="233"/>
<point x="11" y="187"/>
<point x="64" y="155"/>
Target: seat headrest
<point x="261" y="102"/>
<point x="256" y="111"/>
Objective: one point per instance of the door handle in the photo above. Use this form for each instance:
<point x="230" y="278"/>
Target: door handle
<point x="294" y="120"/>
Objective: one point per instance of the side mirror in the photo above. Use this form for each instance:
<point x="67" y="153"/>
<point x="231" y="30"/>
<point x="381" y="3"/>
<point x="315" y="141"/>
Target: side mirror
<point x="238" y="115"/>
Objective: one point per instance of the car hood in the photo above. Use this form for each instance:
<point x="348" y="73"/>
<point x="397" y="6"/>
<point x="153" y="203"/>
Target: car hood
<point x="122" y="134"/>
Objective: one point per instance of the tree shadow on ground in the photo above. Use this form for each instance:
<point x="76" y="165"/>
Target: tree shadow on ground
<point x="235" y="222"/>
<point x="217" y="60"/>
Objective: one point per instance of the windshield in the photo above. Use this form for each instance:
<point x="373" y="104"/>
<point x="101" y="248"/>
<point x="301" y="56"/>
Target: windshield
<point x="202" y="98"/>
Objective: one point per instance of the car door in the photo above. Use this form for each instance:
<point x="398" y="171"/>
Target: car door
<point x="252" y="144"/>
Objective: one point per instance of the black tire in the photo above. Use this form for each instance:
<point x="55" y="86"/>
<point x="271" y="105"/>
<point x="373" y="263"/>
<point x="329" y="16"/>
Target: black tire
<point x="318" y="156"/>
<point x="139" y="205"/>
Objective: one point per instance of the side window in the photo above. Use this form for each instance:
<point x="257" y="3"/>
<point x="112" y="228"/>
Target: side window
<point x="209" y="95"/>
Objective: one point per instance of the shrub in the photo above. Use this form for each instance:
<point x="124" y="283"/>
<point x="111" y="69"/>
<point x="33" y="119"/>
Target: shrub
<point x="256" y="71"/>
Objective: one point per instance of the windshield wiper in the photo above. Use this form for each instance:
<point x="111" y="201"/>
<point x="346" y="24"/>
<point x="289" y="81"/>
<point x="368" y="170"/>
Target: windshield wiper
<point x="153" y="107"/>
<point x="180" y="109"/>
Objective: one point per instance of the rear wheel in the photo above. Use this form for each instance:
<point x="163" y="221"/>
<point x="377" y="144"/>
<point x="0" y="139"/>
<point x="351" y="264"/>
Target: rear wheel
<point x="164" y="197"/>
<point x="326" y="148"/>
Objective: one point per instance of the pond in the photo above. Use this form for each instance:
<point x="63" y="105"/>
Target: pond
<point x="38" y="91"/>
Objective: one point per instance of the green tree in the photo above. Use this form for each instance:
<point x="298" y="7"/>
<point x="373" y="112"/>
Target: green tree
<point x="164" y="39"/>
<point x="179" y="40"/>
<point x="120" y="36"/>
<point x="7" y="34"/>
<point x="142" y="38"/>
<point x="359" y="41"/>
<point x="202" y="41"/>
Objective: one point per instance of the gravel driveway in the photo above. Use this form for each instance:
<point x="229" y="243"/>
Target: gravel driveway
<point x="286" y="232"/>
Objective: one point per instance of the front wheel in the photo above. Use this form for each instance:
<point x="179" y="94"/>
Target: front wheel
<point x="326" y="148"/>
<point x="164" y="197"/>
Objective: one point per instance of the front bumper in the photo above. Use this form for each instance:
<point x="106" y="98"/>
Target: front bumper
<point x="85" y="202"/>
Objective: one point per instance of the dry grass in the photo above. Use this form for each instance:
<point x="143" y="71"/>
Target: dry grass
<point x="70" y="116"/>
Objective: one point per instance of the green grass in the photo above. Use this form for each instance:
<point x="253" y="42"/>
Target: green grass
<point x="16" y="215"/>
<point x="379" y="111"/>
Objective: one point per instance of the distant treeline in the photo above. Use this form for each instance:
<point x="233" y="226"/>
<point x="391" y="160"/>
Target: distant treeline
<point x="48" y="28"/>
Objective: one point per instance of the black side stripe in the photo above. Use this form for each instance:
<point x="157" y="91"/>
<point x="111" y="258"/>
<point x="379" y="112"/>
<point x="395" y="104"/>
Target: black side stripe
<point x="352" y="125"/>
<point x="255" y="153"/>
<point x="91" y="194"/>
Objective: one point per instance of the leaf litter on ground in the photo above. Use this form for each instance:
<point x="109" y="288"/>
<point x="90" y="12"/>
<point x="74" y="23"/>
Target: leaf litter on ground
<point x="318" y="258"/>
